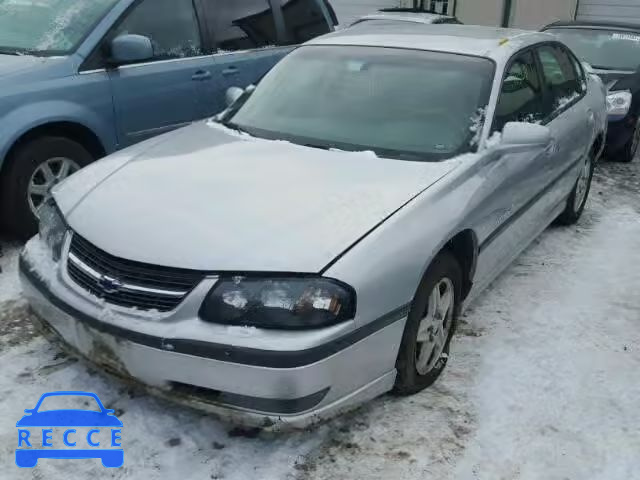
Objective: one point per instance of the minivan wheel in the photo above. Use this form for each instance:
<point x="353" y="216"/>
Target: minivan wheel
<point x="32" y="170"/>
<point x="424" y="349"/>
<point x="578" y="198"/>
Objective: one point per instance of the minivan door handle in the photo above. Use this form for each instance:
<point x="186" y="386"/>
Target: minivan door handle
<point x="201" y="75"/>
<point x="230" y="71"/>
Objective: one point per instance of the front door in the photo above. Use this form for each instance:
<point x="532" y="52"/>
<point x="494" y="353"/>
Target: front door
<point x="508" y="209"/>
<point x="160" y="94"/>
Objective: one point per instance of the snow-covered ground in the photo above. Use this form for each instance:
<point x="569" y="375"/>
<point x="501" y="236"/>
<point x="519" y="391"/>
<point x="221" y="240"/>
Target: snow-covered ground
<point x="544" y="382"/>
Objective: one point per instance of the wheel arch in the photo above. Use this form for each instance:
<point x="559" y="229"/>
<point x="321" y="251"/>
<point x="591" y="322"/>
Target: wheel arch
<point x="464" y="247"/>
<point x="68" y="129"/>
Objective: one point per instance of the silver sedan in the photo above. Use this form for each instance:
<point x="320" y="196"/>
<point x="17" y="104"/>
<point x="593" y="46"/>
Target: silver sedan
<point x="313" y="246"/>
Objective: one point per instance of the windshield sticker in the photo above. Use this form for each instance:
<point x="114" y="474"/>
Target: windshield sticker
<point x="626" y="36"/>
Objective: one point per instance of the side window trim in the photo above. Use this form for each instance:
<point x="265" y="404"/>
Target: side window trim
<point x="512" y="60"/>
<point x="102" y="43"/>
<point x="558" y="111"/>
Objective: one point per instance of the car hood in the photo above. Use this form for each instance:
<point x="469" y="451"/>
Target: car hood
<point x="619" y="80"/>
<point x="12" y="66"/>
<point x="209" y="199"/>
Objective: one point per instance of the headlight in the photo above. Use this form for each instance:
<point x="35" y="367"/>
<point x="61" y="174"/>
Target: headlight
<point x="619" y="103"/>
<point x="52" y="227"/>
<point x="279" y="302"/>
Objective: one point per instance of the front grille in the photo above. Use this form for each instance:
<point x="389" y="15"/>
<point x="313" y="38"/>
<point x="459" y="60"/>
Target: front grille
<point x="127" y="283"/>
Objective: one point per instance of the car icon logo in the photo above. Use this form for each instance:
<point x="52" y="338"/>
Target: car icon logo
<point x="84" y="433"/>
<point x="110" y="284"/>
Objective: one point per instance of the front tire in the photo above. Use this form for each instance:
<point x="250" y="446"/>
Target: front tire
<point x="579" y="195"/>
<point x="424" y="350"/>
<point x="32" y="170"/>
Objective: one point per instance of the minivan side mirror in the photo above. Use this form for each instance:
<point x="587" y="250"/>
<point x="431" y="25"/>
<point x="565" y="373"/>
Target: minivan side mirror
<point x="130" y="48"/>
<point x="516" y="135"/>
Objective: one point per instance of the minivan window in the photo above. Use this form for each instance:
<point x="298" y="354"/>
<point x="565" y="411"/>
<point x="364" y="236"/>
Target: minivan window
<point x="48" y="27"/>
<point x="171" y="25"/>
<point x="304" y="20"/>
<point x="403" y="104"/>
<point x="242" y="24"/>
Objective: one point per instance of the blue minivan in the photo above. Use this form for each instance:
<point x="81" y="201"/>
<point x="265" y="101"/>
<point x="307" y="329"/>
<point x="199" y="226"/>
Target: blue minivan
<point x="80" y="79"/>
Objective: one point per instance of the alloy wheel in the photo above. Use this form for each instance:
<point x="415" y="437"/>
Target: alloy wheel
<point x="48" y="174"/>
<point x="435" y="326"/>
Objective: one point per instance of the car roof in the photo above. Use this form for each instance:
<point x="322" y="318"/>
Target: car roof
<point x="594" y="24"/>
<point x="491" y="42"/>
<point x="404" y="16"/>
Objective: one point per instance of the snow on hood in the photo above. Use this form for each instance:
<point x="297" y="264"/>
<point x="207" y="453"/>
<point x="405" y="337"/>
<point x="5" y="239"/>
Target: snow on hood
<point x="15" y="65"/>
<point x="213" y="201"/>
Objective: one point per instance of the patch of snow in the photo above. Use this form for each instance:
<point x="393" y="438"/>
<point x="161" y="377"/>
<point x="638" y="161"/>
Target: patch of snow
<point x="564" y="101"/>
<point x="477" y="123"/>
<point x="494" y="140"/>
<point x="41" y="259"/>
<point x="10" y="288"/>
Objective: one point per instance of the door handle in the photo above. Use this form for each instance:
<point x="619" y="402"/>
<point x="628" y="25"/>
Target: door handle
<point x="201" y="75"/>
<point x="230" y="71"/>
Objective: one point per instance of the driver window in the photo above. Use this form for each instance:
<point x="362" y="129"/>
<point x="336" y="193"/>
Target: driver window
<point x="521" y="98"/>
<point x="171" y="25"/>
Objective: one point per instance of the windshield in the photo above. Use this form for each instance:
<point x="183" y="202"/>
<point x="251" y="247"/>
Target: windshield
<point x="603" y="49"/>
<point x="48" y="27"/>
<point x="405" y="104"/>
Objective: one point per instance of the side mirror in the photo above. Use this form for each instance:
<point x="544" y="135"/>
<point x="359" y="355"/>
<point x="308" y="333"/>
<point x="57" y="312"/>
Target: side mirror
<point x="29" y="410"/>
<point x="232" y="95"/>
<point x="130" y="48"/>
<point x="520" y="135"/>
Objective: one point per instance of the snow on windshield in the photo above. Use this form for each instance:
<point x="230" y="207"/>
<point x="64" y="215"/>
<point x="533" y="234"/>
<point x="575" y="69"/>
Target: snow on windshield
<point x="48" y="26"/>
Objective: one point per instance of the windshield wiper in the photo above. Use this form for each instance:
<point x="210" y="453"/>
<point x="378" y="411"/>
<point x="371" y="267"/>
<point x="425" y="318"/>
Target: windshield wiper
<point x="315" y="145"/>
<point x="236" y="127"/>
<point x="600" y="67"/>
<point x="9" y="51"/>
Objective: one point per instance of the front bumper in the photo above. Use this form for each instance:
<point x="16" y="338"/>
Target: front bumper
<point x="619" y="133"/>
<point x="243" y="379"/>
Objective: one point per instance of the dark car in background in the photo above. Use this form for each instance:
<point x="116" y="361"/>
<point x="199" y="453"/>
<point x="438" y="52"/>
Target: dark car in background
<point x="613" y="51"/>
<point x="410" y="15"/>
<point x="80" y="79"/>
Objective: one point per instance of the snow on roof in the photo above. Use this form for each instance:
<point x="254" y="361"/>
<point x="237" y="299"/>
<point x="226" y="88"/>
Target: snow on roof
<point x="491" y="42"/>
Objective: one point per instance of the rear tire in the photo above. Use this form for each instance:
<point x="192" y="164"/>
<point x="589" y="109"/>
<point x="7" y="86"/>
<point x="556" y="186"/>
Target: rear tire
<point x="418" y="367"/>
<point x="579" y="195"/>
<point x="24" y="170"/>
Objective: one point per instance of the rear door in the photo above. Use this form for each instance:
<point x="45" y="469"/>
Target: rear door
<point x="569" y="117"/>
<point x="160" y="94"/>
